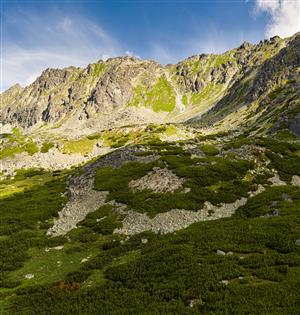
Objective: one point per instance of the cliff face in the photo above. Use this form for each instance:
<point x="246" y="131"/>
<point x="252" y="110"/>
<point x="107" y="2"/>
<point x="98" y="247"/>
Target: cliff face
<point x="124" y="90"/>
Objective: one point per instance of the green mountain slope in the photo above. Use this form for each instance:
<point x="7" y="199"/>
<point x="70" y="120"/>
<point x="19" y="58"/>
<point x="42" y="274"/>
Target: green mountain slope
<point x="231" y="247"/>
<point x="267" y="97"/>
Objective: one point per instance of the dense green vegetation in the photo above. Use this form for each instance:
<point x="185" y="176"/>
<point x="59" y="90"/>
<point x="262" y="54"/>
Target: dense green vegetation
<point x="283" y="155"/>
<point x="167" y="273"/>
<point x="93" y="271"/>
<point x="108" y="223"/>
<point x="47" y="146"/>
<point x="98" y="69"/>
<point x="83" y="146"/>
<point x="248" y="263"/>
<point x="211" y="178"/>
<point x="285" y="135"/>
<point x="208" y="92"/>
<point x="209" y="149"/>
<point x="24" y="216"/>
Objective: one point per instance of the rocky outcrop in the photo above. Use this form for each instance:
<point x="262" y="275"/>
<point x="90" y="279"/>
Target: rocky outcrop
<point x="269" y="80"/>
<point x="58" y="94"/>
<point x="276" y="69"/>
<point x="115" y="87"/>
<point x="295" y="180"/>
<point x="176" y="219"/>
<point x="83" y="199"/>
<point x="193" y="74"/>
<point x="9" y="95"/>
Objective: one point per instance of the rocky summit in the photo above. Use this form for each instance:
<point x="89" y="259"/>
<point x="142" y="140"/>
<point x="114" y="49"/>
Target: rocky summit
<point x="130" y="187"/>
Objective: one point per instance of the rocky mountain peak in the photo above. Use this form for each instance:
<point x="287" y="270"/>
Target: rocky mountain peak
<point x="14" y="88"/>
<point x="245" y="46"/>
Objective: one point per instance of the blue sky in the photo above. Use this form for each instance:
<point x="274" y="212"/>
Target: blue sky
<point x="41" y="34"/>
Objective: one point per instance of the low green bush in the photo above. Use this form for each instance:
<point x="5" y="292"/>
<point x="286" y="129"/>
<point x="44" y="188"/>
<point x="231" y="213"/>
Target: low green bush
<point x="272" y="199"/>
<point x="47" y="146"/>
<point x="209" y="149"/>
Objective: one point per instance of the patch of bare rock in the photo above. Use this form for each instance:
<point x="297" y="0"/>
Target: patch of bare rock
<point x="176" y="219"/>
<point x="159" y="180"/>
<point x="82" y="200"/>
<point x="247" y="152"/>
<point x="296" y="180"/>
<point x="276" y="181"/>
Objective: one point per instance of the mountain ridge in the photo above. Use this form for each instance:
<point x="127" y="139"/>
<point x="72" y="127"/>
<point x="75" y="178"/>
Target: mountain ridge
<point x="129" y="90"/>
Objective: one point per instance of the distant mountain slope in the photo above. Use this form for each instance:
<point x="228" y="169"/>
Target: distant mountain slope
<point x="266" y="97"/>
<point x="127" y="90"/>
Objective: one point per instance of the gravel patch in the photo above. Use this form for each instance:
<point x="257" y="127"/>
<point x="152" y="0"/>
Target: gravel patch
<point x="176" y="219"/>
<point x="159" y="181"/>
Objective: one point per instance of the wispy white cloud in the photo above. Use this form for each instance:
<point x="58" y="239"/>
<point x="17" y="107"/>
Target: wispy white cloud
<point x="53" y="41"/>
<point x="284" y="16"/>
<point x="215" y="41"/>
<point x="56" y="40"/>
<point x="267" y="5"/>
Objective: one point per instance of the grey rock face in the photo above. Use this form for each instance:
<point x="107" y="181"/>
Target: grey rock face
<point x="261" y="81"/>
<point x="288" y="57"/>
<point x="84" y="93"/>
